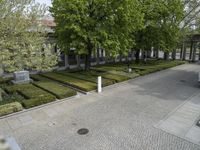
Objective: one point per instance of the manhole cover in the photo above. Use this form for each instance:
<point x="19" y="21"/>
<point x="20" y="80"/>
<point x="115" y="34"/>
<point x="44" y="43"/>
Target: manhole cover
<point x="198" y="123"/>
<point x="83" y="131"/>
<point x="183" y="81"/>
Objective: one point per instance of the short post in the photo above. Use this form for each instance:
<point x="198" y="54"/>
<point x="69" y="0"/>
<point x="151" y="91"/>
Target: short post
<point x="199" y="77"/>
<point x="99" y="84"/>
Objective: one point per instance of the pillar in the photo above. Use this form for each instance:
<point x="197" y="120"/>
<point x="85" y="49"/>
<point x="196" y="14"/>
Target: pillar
<point x="78" y="61"/>
<point x="194" y="53"/>
<point x="66" y="61"/>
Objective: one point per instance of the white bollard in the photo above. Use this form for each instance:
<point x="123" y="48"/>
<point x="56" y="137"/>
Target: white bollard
<point x="199" y="77"/>
<point x="99" y="85"/>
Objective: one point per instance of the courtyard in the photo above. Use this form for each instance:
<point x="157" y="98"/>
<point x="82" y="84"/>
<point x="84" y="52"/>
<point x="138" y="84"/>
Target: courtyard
<point x="125" y="116"/>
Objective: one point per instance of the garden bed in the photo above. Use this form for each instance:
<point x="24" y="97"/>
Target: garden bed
<point x="74" y="82"/>
<point x="56" y="89"/>
<point x="33" y="95"/>
<point x="88" y="77"/>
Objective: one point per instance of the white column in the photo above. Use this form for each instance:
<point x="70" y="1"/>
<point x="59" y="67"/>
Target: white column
<point x="99" y="84"/>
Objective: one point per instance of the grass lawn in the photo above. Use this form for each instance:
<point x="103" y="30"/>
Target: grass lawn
<point x="74" y="82"/>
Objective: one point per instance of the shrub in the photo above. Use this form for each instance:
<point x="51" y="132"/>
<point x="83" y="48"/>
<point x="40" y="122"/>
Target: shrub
<point x="4" y="80"/>
<point x="10" y="108"/>
<point x="117" y="78"/>
<point x="77" y="83"/>
<point x="27" y="90"/>
<point x="37" y="101"/>
<point x="37" y="77"/>
<point x="88" y="77"/>
<point x="56" y="89"/>
<point x="34" y="95"/>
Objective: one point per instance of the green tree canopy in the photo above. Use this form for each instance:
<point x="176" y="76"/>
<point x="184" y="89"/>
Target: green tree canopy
<point x="22" y="37"/>
<point x="87" y="24"/>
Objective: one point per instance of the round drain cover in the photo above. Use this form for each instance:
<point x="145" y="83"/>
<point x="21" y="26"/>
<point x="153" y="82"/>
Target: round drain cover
<point x="83" y="131"/>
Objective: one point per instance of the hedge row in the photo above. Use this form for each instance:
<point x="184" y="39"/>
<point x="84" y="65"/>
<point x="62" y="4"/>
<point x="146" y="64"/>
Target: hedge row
<point x="4" y="80"/>
<point x="143" y="70"/>
<point x="10" y="108"/>
<point x="77" y="83"/>
<point x="89" y="78"/>
<point x="37" y="77"/>
<point x="106" y="75"/>
<point x="34" y="95"/>
<point x="56" y="89"/>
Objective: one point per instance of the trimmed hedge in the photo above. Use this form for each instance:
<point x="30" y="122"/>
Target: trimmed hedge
<point x="10" y="108"/>
<point x="37" y="77"/>
<point x="34" y="95"/>
<point x="56" y="89"/>
<point x="160" y="65"/>
<point x="77" y="83"/>
<point x="89" y="78"/>
<point x="4" y="80"/>
<point x="37" y="101"/>
<point x="117" y="78"/>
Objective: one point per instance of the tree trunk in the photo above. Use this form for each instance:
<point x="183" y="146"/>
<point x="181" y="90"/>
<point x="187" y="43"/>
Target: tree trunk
<point x="166" y="55"/>
<point x="191" y="50"/>
<point x="174" y="54"/>
<point x="137" y="56"/>
<point x="88" y="56"/>
<point x="66" y="62"/>
<point x="98" y="56"/>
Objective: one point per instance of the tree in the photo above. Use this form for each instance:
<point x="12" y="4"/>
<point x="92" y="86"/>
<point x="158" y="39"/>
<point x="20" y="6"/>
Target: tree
<point x="22" y="37"/>
<point x="86" y="25"/>
<point x="161" y="28"/>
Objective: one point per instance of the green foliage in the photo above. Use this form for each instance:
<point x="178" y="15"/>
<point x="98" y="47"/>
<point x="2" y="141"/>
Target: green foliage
<point x="22" y="37"/>
<point x="89" y="24"/>
<point x="37" y="101"/>
<point x="4" y="80"/>
<point x="144" y="69"/>
<point x="56" y="89"/>
<point x="117" y="78"/>
<point x="10" y="108"/>
<point x="37" y="77"/>
<point x="89" y="78"/>
<point x="34" y="95"/>
<point x="74" y="82"/>
<point x="161" y="24"/>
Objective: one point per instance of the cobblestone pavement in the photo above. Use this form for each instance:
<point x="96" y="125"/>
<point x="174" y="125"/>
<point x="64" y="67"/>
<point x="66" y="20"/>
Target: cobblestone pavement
<point x="121" y="118"/>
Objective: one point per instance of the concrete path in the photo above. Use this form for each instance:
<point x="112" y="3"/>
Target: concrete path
<point x="182" y="122"/>
<point x="123" y="117"/>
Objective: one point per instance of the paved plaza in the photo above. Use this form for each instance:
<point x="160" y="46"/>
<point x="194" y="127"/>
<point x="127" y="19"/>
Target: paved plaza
<point x="126" y="116"/>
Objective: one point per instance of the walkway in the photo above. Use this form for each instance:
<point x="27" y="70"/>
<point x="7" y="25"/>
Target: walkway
<point x="123" y="117"/>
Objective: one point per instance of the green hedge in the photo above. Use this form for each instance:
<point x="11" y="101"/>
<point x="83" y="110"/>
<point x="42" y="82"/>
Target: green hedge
<point x="37" y="101"/>
<point x="88" y="77"/>
<point x="34" y="95"/>
<point x="160" y="65"/>
<point x="4" y="80"/>
<point x="10" y="108"/>
<point x="37" y="77"/>
<point x="117" y="78"/>
<point x="77" y="83"/>
<point x="56" y="89"/>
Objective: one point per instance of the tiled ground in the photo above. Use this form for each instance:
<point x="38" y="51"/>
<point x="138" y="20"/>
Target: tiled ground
<point x="123" y="117"/>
